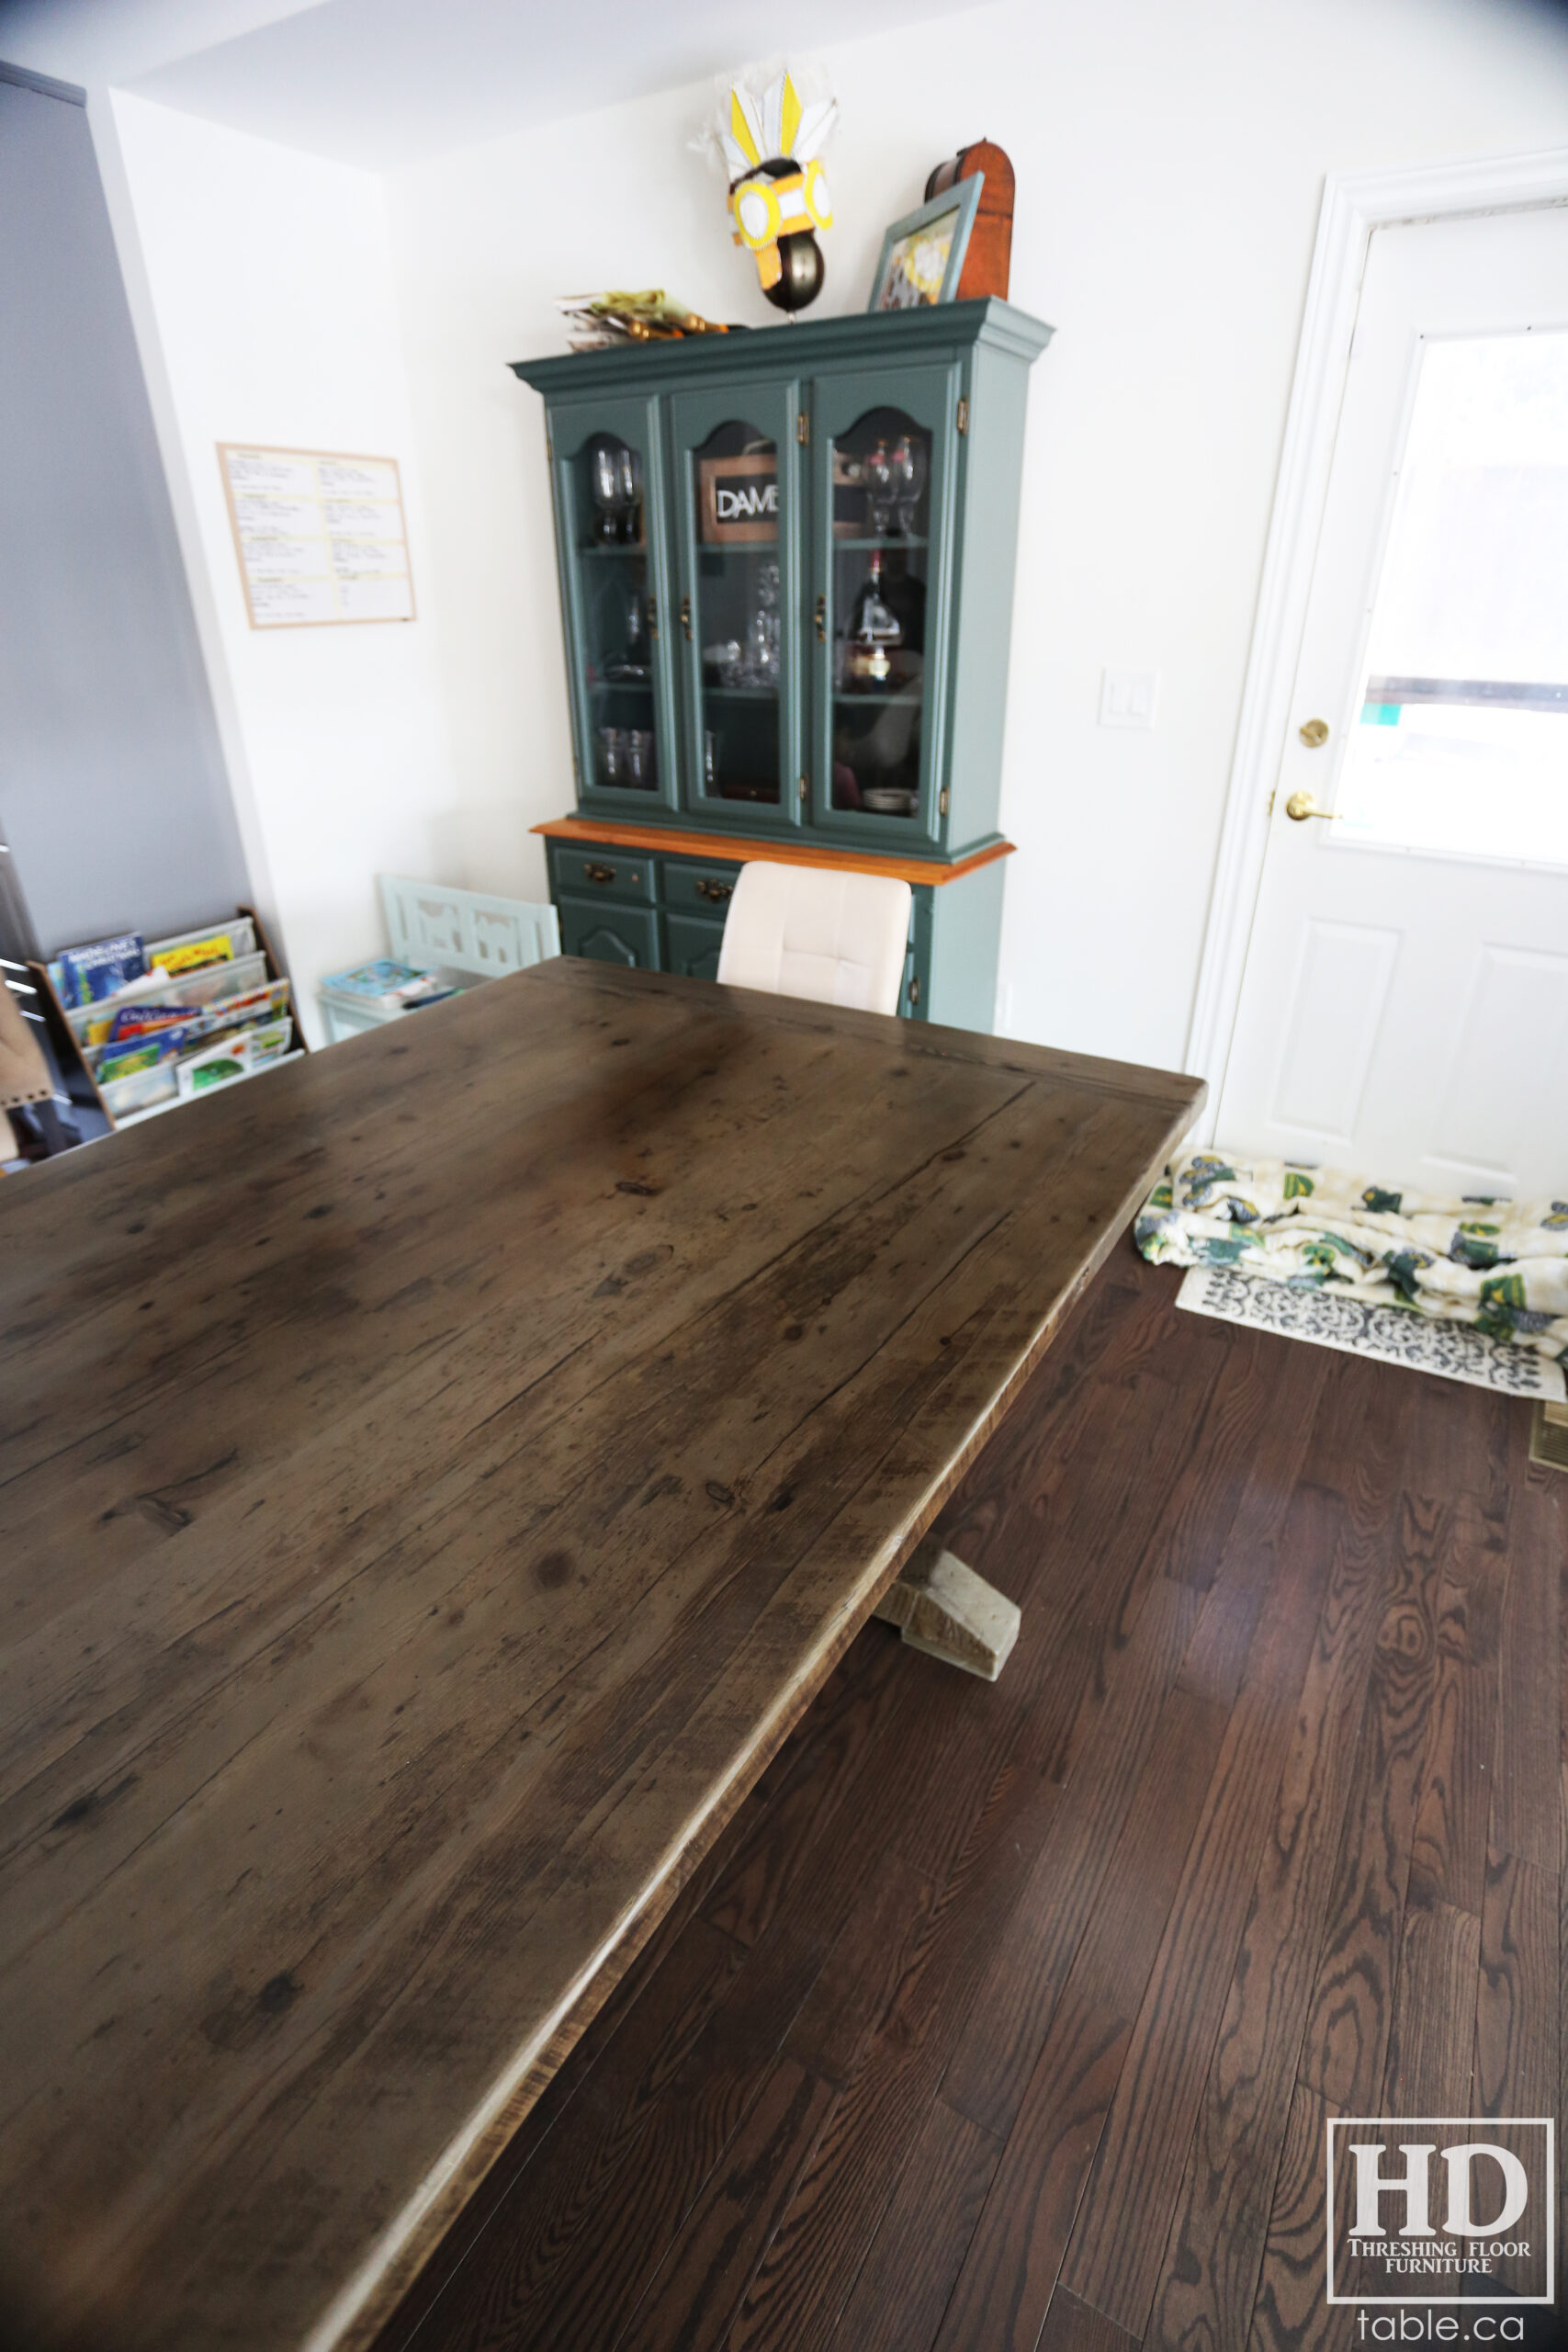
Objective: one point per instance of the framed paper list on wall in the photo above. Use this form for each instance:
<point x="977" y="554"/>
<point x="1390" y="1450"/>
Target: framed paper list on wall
<point x="320" y="536"/>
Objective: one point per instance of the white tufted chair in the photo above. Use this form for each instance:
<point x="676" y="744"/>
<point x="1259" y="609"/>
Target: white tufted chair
<point x="803" y="931"/>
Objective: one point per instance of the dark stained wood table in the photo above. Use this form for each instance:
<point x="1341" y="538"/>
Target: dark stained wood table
<point x="437" y="1475"/>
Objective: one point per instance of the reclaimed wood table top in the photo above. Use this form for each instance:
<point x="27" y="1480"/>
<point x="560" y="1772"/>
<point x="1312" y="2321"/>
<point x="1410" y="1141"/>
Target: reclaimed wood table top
<point x="438" y="1474"/>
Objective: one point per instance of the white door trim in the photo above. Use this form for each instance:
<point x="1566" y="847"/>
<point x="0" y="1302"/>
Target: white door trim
<point x="1354" y="204"/>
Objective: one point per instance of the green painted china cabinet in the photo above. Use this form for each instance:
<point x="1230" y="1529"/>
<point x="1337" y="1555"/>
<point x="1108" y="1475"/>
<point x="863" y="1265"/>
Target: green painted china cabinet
<point x="786" y="570"/>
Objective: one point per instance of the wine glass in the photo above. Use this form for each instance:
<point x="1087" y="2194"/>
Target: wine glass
<point x="604" y="485"/>
<point x="636" y="642"/>
<point x="765" y="627"/>
<point x="638" y="757"/>
<point x="628" y="482"/>
<point x="755" y="666"/>
<point x="881" y="488"/>
<point x="909" y="467"/>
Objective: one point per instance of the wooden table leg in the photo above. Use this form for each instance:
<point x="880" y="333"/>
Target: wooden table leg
<point x="944" y="1608"/>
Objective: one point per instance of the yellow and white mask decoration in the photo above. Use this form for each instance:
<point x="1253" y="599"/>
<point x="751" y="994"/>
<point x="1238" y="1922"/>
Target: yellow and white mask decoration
<point x="778" y="188"/>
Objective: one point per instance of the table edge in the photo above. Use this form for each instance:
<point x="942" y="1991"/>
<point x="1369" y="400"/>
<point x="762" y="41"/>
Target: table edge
<point x="356" y="2315"/>
<point x="1138" y="1081"/>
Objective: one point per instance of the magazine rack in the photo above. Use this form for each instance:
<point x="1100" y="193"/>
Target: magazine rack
<point x="68" y="1049"/>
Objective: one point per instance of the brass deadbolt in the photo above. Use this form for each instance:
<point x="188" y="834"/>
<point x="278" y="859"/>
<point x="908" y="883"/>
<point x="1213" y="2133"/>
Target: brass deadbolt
<point x="1315" y="734"/>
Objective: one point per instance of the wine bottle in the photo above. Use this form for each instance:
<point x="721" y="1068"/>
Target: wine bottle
<point x="874" y="630"/>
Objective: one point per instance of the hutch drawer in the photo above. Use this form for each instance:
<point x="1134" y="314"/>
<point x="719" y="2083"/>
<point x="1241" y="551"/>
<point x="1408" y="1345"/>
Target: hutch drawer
<point x="608" y="873"/>
<point x="697" y="889"/>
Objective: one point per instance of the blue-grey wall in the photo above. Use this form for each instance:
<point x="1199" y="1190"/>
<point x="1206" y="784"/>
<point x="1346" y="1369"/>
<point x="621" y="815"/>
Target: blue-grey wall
<point x="113" y="795"/>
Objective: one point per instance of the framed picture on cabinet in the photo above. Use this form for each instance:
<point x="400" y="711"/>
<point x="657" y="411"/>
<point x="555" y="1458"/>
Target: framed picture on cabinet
<point x="922" y="255"/>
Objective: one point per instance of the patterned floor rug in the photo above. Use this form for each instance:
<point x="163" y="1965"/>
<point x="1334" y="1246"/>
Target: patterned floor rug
<point x="1392" y="1335"/>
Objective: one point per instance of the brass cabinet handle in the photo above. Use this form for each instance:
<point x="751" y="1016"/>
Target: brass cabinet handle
<point x="717" y="891"/>
<point x="686" y="618"/>
<point x="598" y="873"/>
<point x="653" y="618"/>
<point x="1300" y="806"/>
<point x="822" y="620"/>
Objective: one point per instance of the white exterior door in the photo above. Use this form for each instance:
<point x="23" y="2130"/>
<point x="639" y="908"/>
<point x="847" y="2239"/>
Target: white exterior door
<point x="1403" y="1012"/>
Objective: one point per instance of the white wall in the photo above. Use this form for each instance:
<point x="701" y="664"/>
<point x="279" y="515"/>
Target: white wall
<point x="264" y="283"/>
<point x="1171" y="162"/>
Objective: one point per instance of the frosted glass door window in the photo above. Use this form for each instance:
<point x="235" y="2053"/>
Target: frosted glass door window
<point x="1461" y="741"/>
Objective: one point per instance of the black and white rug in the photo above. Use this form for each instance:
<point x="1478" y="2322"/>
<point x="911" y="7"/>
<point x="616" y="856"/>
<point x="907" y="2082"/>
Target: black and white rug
<point x="1391" y="1334"/>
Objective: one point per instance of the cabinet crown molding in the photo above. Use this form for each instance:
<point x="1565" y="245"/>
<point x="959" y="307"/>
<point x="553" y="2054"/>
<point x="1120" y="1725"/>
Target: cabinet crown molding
<point x="878" y="335"/>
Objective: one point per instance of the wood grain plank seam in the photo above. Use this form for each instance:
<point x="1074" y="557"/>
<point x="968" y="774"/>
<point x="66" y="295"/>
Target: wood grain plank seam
<point x="453" y="1512"/>
<point x="924" y="1040"/>
<point x="231" y="1354"/>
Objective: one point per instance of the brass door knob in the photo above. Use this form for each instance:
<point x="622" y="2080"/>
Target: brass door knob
<point x="1315" y="734"/>
<point x="1300" y="806"/>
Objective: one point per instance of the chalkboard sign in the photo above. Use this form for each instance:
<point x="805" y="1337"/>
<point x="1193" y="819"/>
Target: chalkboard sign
<point x="739" y="498"/>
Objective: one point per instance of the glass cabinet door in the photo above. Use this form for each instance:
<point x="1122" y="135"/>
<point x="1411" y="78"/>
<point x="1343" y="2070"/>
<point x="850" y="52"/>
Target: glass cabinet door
<point x="608" y="529"/>
<point x="882" y="467"/>
<point x="736" y="472"/>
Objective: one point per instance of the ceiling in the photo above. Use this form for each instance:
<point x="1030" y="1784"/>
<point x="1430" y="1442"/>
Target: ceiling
<point x="384" y="83"/>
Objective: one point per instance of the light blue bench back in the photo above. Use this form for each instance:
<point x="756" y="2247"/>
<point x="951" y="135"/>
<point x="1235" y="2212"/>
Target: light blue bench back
<point x="467" y="931"/>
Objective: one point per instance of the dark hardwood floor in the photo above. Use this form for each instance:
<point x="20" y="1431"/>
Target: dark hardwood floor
<point x="1010" y="2017"/>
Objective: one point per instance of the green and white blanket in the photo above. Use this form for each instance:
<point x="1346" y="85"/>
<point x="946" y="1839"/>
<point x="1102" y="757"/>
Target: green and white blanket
<point x="1501" y="1265"/>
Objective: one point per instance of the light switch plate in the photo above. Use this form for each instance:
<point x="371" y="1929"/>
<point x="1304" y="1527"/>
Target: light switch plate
<point x="1127" y="698"/>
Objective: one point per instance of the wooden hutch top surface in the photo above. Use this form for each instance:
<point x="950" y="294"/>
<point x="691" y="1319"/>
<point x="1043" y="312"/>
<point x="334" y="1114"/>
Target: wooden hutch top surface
<point x="736" y="848"/>
<point x="802" y="345"/>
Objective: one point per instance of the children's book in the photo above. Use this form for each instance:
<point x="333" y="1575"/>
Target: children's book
<point x="102" y="968"/>
<point x="139" y="1020"/>
<point x="385" y="982"/>
<point x="194" y="954"/>
<point x="177" y="1027"/>
<point x="239" y="930"/>
<point x="215" y="1065"/>
<point x="269" y="1039"/>
<point x="140" y="1053"/>
<point x="249" y="1004"/>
